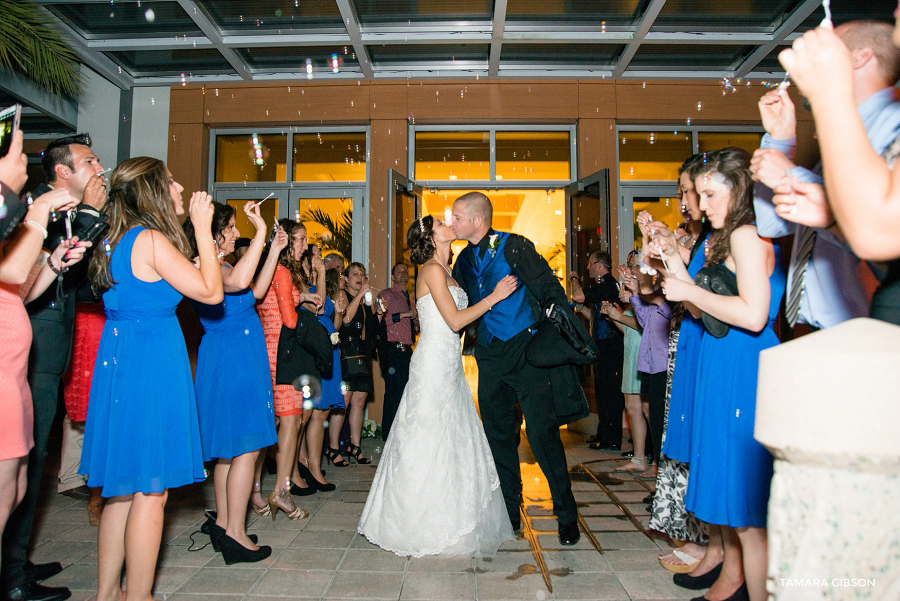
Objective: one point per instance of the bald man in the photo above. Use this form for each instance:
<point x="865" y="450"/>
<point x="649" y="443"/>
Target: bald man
<point x="504" y="376"/>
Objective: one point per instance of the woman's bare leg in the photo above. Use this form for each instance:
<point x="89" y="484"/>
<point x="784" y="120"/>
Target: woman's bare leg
<point x="220" y="483"/>
<point x="315" y="435"/>
<point x="286" y="455"/>
<point x="13" y="481"/>
<point x="143" y="533"/>
<point x="755" y="545"/>
<point x="238" y="488"/>
<point x="256" y="497"/>
<point x="714" y="552"/>
<point x="111" y="547"/>
<point x="357" y="410"/>
<point x="732" y="575"/>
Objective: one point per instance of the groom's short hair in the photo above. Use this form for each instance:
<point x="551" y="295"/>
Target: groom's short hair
<point x="479" y="204"/>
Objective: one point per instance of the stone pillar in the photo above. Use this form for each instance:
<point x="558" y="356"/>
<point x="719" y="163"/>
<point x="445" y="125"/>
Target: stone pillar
<point x="828" y="408"/>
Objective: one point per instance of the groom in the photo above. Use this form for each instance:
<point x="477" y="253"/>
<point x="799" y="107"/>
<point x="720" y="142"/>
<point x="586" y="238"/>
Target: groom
<point x="504" y="376"/>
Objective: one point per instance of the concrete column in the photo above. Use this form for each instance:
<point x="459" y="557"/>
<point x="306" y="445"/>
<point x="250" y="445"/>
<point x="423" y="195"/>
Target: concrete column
<point x="827" y="409"/>
<point x="98" y="114"/>
<point x="150" y="122"/>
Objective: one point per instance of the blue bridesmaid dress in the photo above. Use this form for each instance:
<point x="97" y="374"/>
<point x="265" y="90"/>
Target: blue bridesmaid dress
<point x="142" y="433"/>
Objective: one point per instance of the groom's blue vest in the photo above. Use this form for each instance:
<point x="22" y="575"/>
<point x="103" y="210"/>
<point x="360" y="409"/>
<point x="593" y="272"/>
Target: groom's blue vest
<point x="511" y="315"/>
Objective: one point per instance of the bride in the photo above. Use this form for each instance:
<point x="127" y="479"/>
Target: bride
<point x="436" y="491"/>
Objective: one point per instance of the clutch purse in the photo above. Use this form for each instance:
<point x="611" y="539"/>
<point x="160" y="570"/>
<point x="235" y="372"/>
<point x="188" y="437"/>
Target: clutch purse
<point x="718" y="279"/>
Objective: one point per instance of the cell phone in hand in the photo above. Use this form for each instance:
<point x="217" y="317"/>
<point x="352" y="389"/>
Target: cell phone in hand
<point x="9" y="123"/>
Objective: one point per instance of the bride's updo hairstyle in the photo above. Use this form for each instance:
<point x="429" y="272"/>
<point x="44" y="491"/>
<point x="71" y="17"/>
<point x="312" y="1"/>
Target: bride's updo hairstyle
<point x="420" y="240"/>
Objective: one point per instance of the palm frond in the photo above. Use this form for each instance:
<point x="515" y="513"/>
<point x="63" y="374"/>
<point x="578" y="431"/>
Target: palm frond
<point x="31" y="47"/>
<point x="341" y="239"/>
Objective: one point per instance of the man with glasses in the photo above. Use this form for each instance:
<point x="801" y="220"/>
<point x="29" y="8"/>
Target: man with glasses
<point x="608" y="369"/>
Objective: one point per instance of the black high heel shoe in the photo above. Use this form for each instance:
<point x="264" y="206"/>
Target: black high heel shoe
<point x="216" y="533"/>
<point x="326" y="487"/>
<point x="305" y="473"/>
<point x="235" y="552"/>
<point x="332" y="455"/>
<point x="303" y="492"/>
<point x="356" y="452"/>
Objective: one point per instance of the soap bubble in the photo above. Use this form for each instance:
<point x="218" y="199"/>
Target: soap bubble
<point x="309" y="386"/>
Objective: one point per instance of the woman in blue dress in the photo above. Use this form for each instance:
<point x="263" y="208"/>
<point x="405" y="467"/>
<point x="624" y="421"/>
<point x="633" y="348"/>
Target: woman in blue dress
<point x="235" y="407"/>
<point x="142" y="436"/>
<point x="731" y="472"/>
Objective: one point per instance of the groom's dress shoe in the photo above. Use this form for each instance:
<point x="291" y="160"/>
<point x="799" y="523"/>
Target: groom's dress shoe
<point x="569" y="534"/>
<point x="32" y="591"/>
<point x="38" y="572"/>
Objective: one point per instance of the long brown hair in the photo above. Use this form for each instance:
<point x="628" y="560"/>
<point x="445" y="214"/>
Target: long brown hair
<point x="734" y="165"/>
<point x="298" y="273"/>
<point x="138" y="195"/>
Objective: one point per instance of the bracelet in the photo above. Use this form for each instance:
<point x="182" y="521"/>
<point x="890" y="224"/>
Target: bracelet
<point x="490" y="306"/>
<point x="54" y="268"/>
<point x="36" y="226"/>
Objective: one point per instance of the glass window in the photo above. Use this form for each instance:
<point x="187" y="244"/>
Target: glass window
<point x="251" y="158"/>
<point x="287" y="58"/>
<point x="533" y="155"/>
<point x="665" y="57"/>
<point x="453" y="155"/>
<point x="273" y="15"/>
<point x="763" y="14"/>
<point x="709" y="141"/>
<point x="159" y="63"/>
<point x="330" y="157"/>
<point x="329" y="223"/>
<point x="96" y="20"/>
<point x="652" y="155"/>
<point x="576" y="12"/>
<point x="596" y="56"/>
<point x="268" y="210"/>
<point x="421" y="54"/>
<point x="371" y="12"/>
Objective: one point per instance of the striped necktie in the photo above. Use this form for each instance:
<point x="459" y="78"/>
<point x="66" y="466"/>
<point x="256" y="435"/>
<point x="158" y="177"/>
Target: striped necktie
<point x="805" y="245"/>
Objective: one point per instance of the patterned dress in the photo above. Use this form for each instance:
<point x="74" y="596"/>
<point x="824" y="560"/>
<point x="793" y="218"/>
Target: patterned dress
<point x="668" y="514"/>
<point x="280" y="306"/>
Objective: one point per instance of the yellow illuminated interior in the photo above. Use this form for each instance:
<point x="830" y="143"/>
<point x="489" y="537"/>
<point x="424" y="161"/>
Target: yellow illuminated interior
<point x="268" y="210"/>
<point x="537" y="214"/>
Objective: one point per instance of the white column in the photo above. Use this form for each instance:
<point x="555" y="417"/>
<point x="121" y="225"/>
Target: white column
<point x="98" y="114"/>
<point x="827" y="409"/>
<point x="150" y="122"/>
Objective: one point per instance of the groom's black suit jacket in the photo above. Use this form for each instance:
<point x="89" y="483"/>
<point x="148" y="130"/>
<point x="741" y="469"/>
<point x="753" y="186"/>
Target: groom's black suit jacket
<point x="543" y="289"/>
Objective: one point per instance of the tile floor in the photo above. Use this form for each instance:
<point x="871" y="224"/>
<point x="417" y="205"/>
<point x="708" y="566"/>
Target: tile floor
<point x="322" y="557"/>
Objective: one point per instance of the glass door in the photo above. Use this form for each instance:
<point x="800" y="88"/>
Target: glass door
<point x="587" y="203"/>
<point x="659" y="199"/>
<point x="238" y="197"/>
<point x="328" y="214"/>
<point x="404" y="206"/>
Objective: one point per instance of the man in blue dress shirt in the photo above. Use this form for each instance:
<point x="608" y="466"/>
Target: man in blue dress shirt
<point x="827" y="283"/>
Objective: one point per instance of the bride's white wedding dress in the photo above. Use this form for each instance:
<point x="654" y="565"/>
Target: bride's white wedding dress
<point x="436" y="491"/>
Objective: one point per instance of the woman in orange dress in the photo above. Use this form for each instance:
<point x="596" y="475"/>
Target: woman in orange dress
<point x="278" y="308"/>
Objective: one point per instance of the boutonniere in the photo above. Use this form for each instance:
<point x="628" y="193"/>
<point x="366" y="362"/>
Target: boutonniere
<point x="335" y="338"/>
<point x="494" y="243"/>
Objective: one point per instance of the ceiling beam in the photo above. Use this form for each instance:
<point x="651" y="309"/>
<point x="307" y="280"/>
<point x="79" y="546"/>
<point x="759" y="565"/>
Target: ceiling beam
<point x="351" y="22"/>
<point x="499" y="28"/>
<point x="64" y="110"/>
<point x="640" y="32"/>
<point x="138" y="44"/>
<point x="781" y="34"/>
<point x="313" y="38"/>
<point x="202" y="19"/>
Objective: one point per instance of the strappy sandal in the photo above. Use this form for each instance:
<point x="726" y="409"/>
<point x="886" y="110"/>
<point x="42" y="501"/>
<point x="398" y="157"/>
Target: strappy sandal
<point x="333" y="454"/>
<point x="356" y="452"/>
<point x="260" y="511"/>
<point x="282" y="499"/>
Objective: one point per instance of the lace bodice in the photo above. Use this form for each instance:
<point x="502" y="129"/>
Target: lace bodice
<point x="431" y="322"/>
